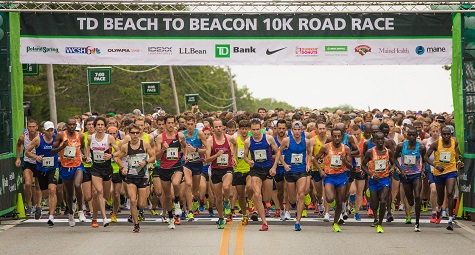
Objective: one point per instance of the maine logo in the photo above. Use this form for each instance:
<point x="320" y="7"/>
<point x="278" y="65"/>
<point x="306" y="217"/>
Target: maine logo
<point x="222" y="50"/>
<point x="362" y="49"/>
<point x="420" y="50"/>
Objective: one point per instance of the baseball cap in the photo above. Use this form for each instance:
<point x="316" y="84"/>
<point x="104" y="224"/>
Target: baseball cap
<point x="406" y="122"/>
<point x="379" y="116"/>
<point x="452" y="129"/>
<point x="297" y="124"/>
<point x="48" y="125"/>
<point x="440" y="118"/>
<point x="200" y="126"/>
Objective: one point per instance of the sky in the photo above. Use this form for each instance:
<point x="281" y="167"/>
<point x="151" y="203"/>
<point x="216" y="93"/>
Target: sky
<point x="402" y="87"/>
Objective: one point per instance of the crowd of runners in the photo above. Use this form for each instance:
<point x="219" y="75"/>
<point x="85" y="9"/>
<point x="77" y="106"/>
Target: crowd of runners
<point x="242" y="163"/>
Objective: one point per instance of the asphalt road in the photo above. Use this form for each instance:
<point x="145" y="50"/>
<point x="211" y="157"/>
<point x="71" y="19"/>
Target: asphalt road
<point x="203" y="237"/>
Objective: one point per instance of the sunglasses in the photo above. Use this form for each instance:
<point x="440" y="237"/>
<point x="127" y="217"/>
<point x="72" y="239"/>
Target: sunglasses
<point x="134" y="133"/>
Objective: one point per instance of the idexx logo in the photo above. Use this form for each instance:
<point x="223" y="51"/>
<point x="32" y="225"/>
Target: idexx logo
<point x="122" y="50"/>
<point x="83" y="50"/>
<point x="224" y="50"/>
<point x="191" y="51"/>
<point x="421" y="50"/>
<point x="336" y="48"/>
<point x="301" y="51"/>
<point x="160" y="50"/>
<point x="362" y="49"/>
<point x="41" y="49"/>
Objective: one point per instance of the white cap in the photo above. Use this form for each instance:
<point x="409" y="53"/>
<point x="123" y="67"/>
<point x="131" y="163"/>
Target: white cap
<point x="48" y="125"/>
<point x="200" y="126"/>
<point x="407" y="122"/>
<point x="78" y="127"/>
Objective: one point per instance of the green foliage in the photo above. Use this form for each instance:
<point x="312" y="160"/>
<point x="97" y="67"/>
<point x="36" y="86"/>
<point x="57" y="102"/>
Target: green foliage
<point x="124" y="93"/>
<point x="345" y="108"/>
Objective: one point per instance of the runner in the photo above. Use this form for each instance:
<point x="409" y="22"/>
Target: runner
<point x="337" y="159"/>
<point x="447" y="158"/>
<point x="281" y="133"/>
<point x="205" y="186"/>
<point x="297" y="155"/>
<point x="70" y="145"/>
<point x="87" y="178"/>
<point x="47" y="171"/>
<point x="139" y="154"/>
<point x="220" y="149"/>
<point x="241" y="177"/>
<point x="434" y="130"/>
<point x="117" y="176"/>
<point x="29" y="167"/>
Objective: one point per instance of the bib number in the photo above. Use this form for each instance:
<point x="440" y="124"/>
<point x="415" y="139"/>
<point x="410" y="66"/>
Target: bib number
<point x="134" y="162"/>
<point x="409" y="160"/>
<point x="70" y="152"/>
<point x="380" y="165"/>
<point x="193" y="156"/>
<point x="48" y="161"/>
<point x="260" y="155"/>
<point x="296" y="159"/>
<point x="240" y="153"/>
<point x="222" y="160"/>
<point x="358" y="162"/>
<point x="98" y="156"/>
<point x="444" y="157"/>
<point x="335" y="161"/>
<point x="172" y="153"/>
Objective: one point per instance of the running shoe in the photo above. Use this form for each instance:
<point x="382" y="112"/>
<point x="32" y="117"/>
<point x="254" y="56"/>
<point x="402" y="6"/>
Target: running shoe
<point x="417" y="228"/>
<point x="307" y="199"/>
<point x="297" y="227"/>
<point x="282" y="215"/>
<point x="221" y="223"/>
<point x="177" y="221"/>
<point x="357" y="217"/>
<point x="141" y="216"/>
<point x="95" y="224"/>
<point x="51" y="221"/>
<point x="341" y="221"/>
<point x="379" y="229"/>
<point x="177" y="209"/>
<point x="153" y="211"/>
<point x="438" y="218"/>
<point x="408" y="220"/>
<point x="450" y="226"/>
<point x="71" y="220"/>
<point x="171" y="224"/>
<point x="336" y="228"/>
<point x="245" y="220"/>
<point x="229" y="218"/>
<point x="194" y="206"/>
<point x="267" y="212"/>
<point x="58" y="210"/>
<point x="164" y="218"/>
<point x="444" y="214"/>
<point x="401" y="208"/>
<point x="254" y="216"/>
<point x="183" y="215"/>
<point x="130" y="219"/>
<point x="424" y="207"/>
<point x="389" y="217"/>
<point x="304" y="213"/>
<point x="277" y="213"/>
<point x="375" y="223"/>
<point x="287" y="215"/>
<point x="38" y="213"/>
<point x="345" y="215"/>
<point x="370" y="212"/>
<point x="250" y="205"/>
<point x="28" y="210"/>
<point x="227" y="208"/>
<point x="433" y="218"/>
<point x="211" y="213"/>
<point x="105" y="222"/>
<point x="113" y="218"/>
<point x="136" y="228"/>
<point x="326" y="218"/>
<point x="332" y="204"/>
<point x="190" y="217"/>
<point x="82" y="217"/>
<point x="201" y="207"/>
<point x="264" y="227"/>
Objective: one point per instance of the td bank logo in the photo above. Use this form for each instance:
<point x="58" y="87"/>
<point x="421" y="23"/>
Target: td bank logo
<point x="223" y="50"/>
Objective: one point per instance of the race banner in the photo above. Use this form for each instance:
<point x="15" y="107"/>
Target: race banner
<point x="236" y="39"/>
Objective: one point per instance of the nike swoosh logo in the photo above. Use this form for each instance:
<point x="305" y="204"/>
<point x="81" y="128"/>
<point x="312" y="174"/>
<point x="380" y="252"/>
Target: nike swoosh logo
<point x="270" y="52"/>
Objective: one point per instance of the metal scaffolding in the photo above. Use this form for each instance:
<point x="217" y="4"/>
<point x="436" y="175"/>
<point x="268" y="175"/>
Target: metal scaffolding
<point x="229" y="7"/>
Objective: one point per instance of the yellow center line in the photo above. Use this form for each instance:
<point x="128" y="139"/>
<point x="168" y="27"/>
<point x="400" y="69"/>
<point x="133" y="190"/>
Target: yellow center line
<point x="239" y="240"/>
<point x="224" y="247"/>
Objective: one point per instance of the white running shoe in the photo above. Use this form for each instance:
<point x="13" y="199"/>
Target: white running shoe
<point x="177" y="209"/>
<point x="82" y="218"/>
<point x="282" y="215"/>
<point x="105" y="222"/>
<point x="287" y="215"/>
<point x="171" y="224"/>
<point x="71" y="220"/>
<point x="326" y="218"/>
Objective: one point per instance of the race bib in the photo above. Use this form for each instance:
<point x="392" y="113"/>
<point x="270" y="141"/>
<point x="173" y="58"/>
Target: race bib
<point x="444" y="157"/>
<point x="132" y="171"/>
<point x="48" y="161"/>
<point x="98" y="156"/>
<point x="380" y="165"/>
<point x="240" y="153"/>
<point x="222" y="160"/>
<point x="192" y="156"/>
<point x="358" y="162"/>
<point x="296" y="159"/>
<point x="172" y="153"/>
<point x="335" y="161"/>
<point x="260" y="155"/>
<point x="134" y="162"/>
<point x="409" y="160"/>
<point x="70" y="152"/>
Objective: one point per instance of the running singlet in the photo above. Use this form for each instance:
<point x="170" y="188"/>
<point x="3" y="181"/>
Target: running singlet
<point x="347" y="143"/>
<point x="445" y="157"/>
<point x="134" y="159"/>
<point x="261" y="152"/>
<point x="26" y="143"/>
<point x="280" y="168"/>
<point x="318" y="146"/>
<point x="71" y="154"/>
<point x="224" y="161"/>
<point x="49" y="162"/>
<point x="361" y="148"/>
<point x="296" y="155"/>
<point x="241" y="166"/>
<point x="115" y="167"/>
<point x="196" y="143"/>
<point x="85" y="144"/>
<point x="97" y="151"/>
<point x="333" y="162"/>
<point x="411" y="159"/>
<point x="171" y="157"/>
<point x="379" y="165"/>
